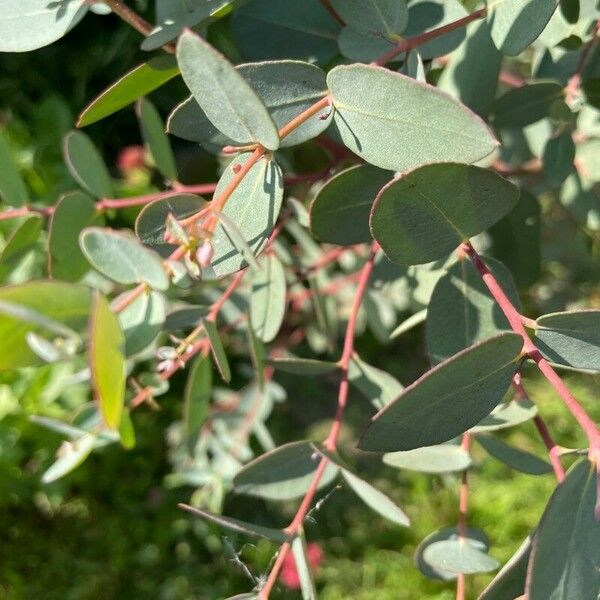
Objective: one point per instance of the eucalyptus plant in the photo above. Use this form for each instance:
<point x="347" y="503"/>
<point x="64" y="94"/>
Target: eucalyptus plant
<point x="442" y="130"/>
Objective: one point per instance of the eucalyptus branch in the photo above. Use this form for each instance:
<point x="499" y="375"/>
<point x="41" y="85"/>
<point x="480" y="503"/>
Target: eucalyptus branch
<point x="516" y="322"/>
<point x="331" y="441"/>
<point x="414" y="42"/>
<point x="551" y="445"/>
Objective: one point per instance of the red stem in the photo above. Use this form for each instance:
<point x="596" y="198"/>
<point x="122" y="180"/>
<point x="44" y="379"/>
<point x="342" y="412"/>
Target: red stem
<point x="331" y="441"/>
<point x="418" y="40"/>
<point x="551" y="445"/>
<point x="463" y="506"/>
<point x="516" y="323"/>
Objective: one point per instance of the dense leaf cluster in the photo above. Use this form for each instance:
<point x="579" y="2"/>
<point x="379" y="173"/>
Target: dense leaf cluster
<point x="368" y="158"/>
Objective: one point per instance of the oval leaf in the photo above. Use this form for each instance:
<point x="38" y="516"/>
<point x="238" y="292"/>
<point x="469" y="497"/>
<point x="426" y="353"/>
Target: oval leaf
<point x="445" y="458"/>
<point x="479" y="198"/>
<point x="86" y="165"/>
<point x="374" y="121"/>
<point x="284" y="473"/>
<point x="515" y="24"/>
<point x="375" y="499"/>
<point x="12" y="186"/>
<point x="122" y="258"/>
<point x="566" y="547"/>
<point x="224" y="95"/>
<point x="153" y="133"/>
<point x="447" y="400"/>
<point x="71" y="455"/>
<point x="107" y="361"/>
<point x="514" y="457"/>
<point x="570" y="339"/>
<point x="73" y="213"/>
<point x="138" y="82"/>
<point x="254" y="207"/>
<point x="29" y="24"/>
<point x="142" y="321"/>
<point x="348" y="195"/>
<point x="268" y="299"/>
<point x="379" y="18"/>
<point x="305" y="85"/>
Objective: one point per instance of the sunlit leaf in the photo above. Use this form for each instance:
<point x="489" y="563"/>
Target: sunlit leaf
<point x="70" y="456"/>
<point x="107" y="361"/>
<point x="444" y="458"/>
<point x="268" y="298"/>
<point x="138" y="82"/>
<point x="230" y="103"/>
<point x="142" y="321"/>
<point x="448" y="399"/>
<point x="217" y="350"/>
<point x="119" y="256"/>
<point x="479" y="199"/>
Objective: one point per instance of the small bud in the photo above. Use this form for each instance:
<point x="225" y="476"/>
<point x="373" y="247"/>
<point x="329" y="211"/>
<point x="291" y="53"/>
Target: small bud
<point x="204" y="254"/>
<point x="236" y="168"/>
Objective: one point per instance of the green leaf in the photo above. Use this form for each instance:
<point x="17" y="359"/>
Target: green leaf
<point x="375" y="499"/>
<point x="459" y="556"/>
<point x="138" y="82"/>
<point x="70" y="456"/>
<point x="12" y="186"/>
<point x="461" y="310"/>
<point x="275" y="535"/>
<point x="217" y="350"/>
<point x="307" y="585"/>
<point x="472" y="74"/>
<point x="394" y="122"/>
<point x="516" y="240"/>
<point x="373" y="17"/>
<point x="303" y="366"/>
<point x="59" y="303"/>
<point x="474" y="538"/>
<point x="29" y="24"/>
<point x="526" y="104"/>
<point x="348" y="195"/>
<point x="153" y="133"/>
<point x="505" y="415"/>
<point x="86" y="165"/>
<point x="19" y="244"/>
<point x="591" y="91"/>
<point x="73" y="213"/>
<point x="119" y="256"/>
<point x="448" y="399"/>
<point x="513" y="457"/>
<point x="377" y="385"/>
<point x="150" y="224"/>
<point x="176" y="15"/>
<point x="224" y="95"/>
<point x="284" y="473"/>
<point x="254" y="207"/>
<point x="570" y="10"/>
<point x="559" y="155"/>
<point x="515" y="24"/>
<point x="570" y="339"/>
<point x="479" y="199"/>
<point x="107" y="361"/>
<point x="510" y="580"/>
<point x="566" y="547"/>
<point x="305" y="85"/>
<point x="142" y="321"/>
<point x="197" y="396"/>
<point x="264" y="30"/>
<point x="268" y="298"/>
<point x="126" y="431"/>
<point x="444" y="458"/>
